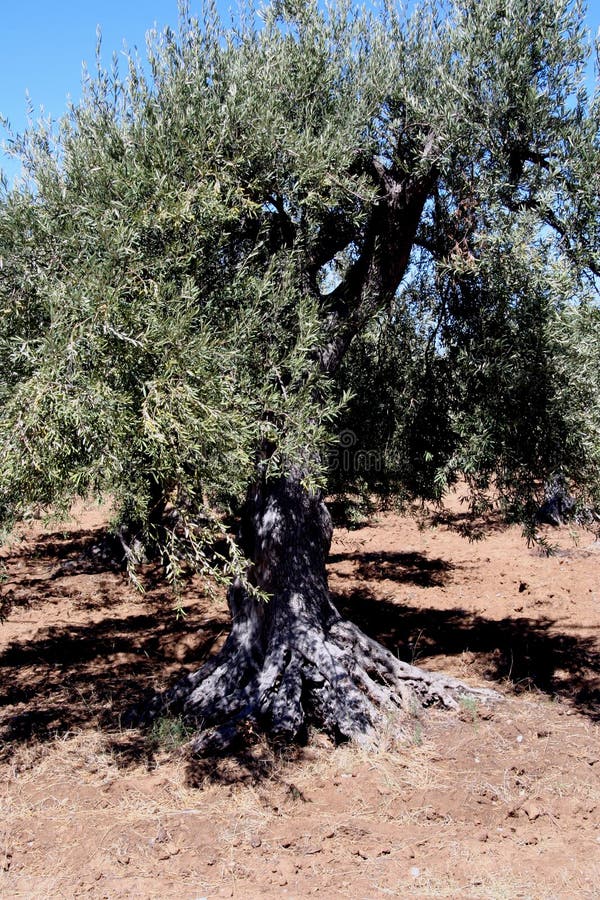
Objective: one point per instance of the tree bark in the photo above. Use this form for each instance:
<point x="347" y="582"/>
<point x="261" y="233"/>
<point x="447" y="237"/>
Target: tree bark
<point x="292" y="661"/>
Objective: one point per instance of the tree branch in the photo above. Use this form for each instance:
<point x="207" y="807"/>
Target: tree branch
<point x="373" y="279"/>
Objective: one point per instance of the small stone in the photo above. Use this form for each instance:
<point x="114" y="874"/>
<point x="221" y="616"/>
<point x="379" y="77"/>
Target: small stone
<point x="483" y="836"/>
<point x="415" y="871"/>
<point x="532" y="811"/>
<point x="519" y="739"/>
<point x="255" y="841"/>
<point x="162" y="836"/>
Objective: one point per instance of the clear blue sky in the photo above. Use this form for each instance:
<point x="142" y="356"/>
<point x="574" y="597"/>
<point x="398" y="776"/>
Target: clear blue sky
<point x="43" y="45"/>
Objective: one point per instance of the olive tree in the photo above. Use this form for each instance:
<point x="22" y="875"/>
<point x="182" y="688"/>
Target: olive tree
<point x="318" y="219"/>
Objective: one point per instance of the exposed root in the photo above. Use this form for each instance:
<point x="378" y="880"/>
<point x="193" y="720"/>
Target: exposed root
<point x="340" y="680"/>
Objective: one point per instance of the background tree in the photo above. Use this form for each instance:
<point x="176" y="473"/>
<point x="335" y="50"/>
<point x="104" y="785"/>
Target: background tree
<point x="320" y="219"/>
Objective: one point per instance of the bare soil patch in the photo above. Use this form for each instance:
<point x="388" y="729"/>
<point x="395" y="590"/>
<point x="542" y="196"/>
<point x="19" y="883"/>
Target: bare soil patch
<point x="490" y="803"/>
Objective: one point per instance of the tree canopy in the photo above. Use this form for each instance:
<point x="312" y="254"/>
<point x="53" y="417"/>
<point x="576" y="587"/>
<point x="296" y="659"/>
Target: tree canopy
<point x="322" y="219"/>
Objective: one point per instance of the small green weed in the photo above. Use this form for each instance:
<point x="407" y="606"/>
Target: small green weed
<point x="469" y="708"/>
<point x="170" y="733"/>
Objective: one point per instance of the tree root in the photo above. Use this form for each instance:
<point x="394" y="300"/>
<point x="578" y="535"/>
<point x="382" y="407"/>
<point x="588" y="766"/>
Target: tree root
<point x="338" y="679"/>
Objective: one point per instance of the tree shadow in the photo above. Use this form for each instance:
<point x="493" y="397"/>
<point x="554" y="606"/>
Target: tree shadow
<point x="403" y="568"/>
<point x="466" y="524"/>
<point x="85" y="675"/>
<point x="263" y="760"/>
<point x="519" y="653"/>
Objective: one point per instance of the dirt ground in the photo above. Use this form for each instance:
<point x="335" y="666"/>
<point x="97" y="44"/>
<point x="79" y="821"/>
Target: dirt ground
<point x="499" y="802"/>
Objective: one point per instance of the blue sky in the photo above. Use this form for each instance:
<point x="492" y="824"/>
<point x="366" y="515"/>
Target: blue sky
<point x="43" y="45"/>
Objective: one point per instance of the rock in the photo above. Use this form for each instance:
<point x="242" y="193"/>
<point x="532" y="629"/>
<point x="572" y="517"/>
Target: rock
<point x="532" y="811"/>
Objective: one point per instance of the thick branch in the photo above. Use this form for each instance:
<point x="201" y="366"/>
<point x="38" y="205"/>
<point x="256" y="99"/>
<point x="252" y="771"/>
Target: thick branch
<point x="373" y="279"/>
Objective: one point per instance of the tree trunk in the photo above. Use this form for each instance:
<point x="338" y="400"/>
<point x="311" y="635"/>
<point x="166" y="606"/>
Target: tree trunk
<point x="292" y="661"/>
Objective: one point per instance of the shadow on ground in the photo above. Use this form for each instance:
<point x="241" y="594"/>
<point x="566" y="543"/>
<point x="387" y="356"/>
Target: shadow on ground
<point x="108" y="647"/>
<point x="71" y="676"/>
<point x="403" y="568"/>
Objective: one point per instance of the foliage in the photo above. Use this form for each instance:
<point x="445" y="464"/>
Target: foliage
<point x="501" y="394"/>
<point x="187" y="291"/>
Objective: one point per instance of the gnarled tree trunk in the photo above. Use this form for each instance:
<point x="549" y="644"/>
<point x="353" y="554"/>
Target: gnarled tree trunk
<point x="292" y="660"/>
